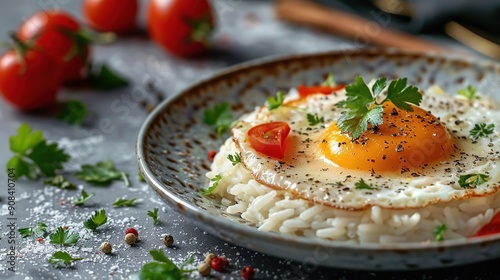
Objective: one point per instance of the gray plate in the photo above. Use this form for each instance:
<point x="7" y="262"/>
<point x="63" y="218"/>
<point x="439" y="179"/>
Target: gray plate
<point x="173" y="144"/>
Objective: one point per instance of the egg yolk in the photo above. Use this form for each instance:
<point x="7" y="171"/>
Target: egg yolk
<point x="405" y="141"/>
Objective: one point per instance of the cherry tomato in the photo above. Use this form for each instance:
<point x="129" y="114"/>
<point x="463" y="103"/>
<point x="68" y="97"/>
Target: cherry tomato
<point x="182" y="27"/>
<point x="133" y="231"/>
<point x="307" y="90"/>
<point x="490" y="228"/>
<point x="111" y="15"/>
<point x="248" y="273"/>
<point x="218" y="264"/>
<point x="269" y="138"/>
<point x="31" y="81"/>
<point x="54" y="32"/>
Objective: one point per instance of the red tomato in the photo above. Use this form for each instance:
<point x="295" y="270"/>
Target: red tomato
<point x="30" y="83"/>
<point x="111" y="15"/>
<point x="307" y="90"/>
<point x="182" y="27"/>
<point x="54" y="31"/>
<point x="269" y="138"/>
<point x="490" y="228"/>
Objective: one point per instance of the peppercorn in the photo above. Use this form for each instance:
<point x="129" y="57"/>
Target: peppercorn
<point x="248" y="273"/>
<point x="210" y="257"/>
<point x="168" y="240"/>
<point x="218" y="264"/>
<point x="106" y="247"/>
<point x="132" y="230"/>
<point x="204" y="269"/>
<point x="130" y="238"/>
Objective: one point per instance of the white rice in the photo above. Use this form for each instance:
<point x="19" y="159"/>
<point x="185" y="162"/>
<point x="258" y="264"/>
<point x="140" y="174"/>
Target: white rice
<point x="278" y="211"/>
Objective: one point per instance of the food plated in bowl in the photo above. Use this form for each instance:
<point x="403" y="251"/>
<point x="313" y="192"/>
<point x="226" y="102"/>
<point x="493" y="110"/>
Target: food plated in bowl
<point x="367" y="215"/>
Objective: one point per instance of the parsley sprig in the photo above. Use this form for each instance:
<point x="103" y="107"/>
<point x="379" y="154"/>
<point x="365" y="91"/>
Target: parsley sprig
<point x="62" y="259"/>
<point x="314" y="119"/>
<point x="471" y="181"/>
<point x="154" y="215"/>
<point x="469" y="92"/>
<point x="101" y="174"/>
<point x="40" y="230"/>
<point x="163" y="268"/>
<point x="98" y="219"/>
<point x="122" y="202"/>
<point x="274" y="102"/>
<point x="73" y="112"/>
<point x="215" y="182"/>
<point x="481" y="130"/>
<point x="362" y="185"/>
<point x="361" y="107"/>
<point x="439" y="232"/>
<point x="60" y="181"/>
<point x="84" y="196"/>
<point x="33" y="156"/>
<point x="234" y="159"/>
<point x="219" y="116"/>
<point x="329" y="81"/>
<point x="62" y="237"/>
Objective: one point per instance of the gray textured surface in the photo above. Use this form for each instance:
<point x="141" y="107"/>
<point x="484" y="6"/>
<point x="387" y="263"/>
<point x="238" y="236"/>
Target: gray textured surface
<point x="247" y="31"/>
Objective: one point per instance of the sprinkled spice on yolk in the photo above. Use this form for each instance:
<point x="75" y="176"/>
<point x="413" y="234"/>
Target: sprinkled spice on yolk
<point x="405" y="141"/>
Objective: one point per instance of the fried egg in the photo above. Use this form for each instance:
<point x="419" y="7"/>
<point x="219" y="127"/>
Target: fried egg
<point x="412" y="160"/>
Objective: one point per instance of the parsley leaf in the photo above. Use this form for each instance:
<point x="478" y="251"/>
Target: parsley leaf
<point x="362" y="109"/>
<point x="481" y="130"/>
<point x="73" y="112"/>
<point x="154" y="214"/>
<point x="33" y="155"/>
<point x="439" y="232"/>
<point x="163" y="268"/>
<point x="98" y="219"/>
<point x="234" y="159"/>
<point x="122" y="202"/>
<point x="469" y="92"/>
<point x="40" y="230"/>
<point x="329" y="81"/>
<point x="214" y="185"/>
<point x="62" y="237"/>
<point x="106" y="79"/>
<point x="275" y="102"/>
<point x="60" y="181"/>
<point x="362" y="185"/>
<point x="102" y="173"/>
<point x="314" y="119"/>
<point x="471" y="181"/>
<point x="61" y="259"/>
<point x="219" y="116"/>
<point x="79" y="201"/>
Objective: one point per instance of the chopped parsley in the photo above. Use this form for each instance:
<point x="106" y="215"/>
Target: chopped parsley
<point x="102" y="173"/>
<point x="362" y="185"/>
<point x="215" y="182"/>
<point x="219" y="116"/>
<point x="314" y="119"/>
<point x="329" y="81"/>
<point x="154" y="215"/>
<point x="73" y="112"/>
<point x="60" y="181"/>
<point x="481" y="130"/>
<point x="62" y="237"/>
<point x="33" y="156"/>
<point x="471" y="181"/>
<point x="361" y="107"/>
<point x="439" y="232"/>
<point x="40" y="230"/>
<point x="163" y="268"/>
<point x="274" y="102"/>
<point x="469" y="92"/>
<point x="62" y="259"/>
<point x="122" y="202"/>
<point x="234" y="159"/>
<point x="98" y="219"/>
<point x="84" y="196"/>
<point x="105" y="78"/>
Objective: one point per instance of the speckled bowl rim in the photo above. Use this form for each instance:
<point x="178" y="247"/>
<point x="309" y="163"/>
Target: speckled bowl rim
<point x="193" y="212"/>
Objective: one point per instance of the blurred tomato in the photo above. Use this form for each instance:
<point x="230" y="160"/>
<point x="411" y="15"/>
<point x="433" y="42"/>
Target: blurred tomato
<point x="29" y="79"/>
<point x="111" y="15"/>
<point x="57" y="33"/>
<point x="182" y="27"/>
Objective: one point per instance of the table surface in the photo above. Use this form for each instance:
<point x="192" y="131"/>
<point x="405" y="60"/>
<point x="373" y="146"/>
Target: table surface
<point x="247" y="30"/>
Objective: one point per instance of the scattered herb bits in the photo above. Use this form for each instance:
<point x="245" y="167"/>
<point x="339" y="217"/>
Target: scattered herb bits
<point x="98" y="219"/>
<point x="154" y="215"/>
<point x="62" y="237"/>
<point x="84" y="196"/>
<point x="101" y="174"/>
<point x="62" y="259"/>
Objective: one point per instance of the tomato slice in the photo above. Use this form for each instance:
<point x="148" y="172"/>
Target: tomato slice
<point x="490" y="228"/>
<point x="269" y="138"/>
<point x="307" y="90"/>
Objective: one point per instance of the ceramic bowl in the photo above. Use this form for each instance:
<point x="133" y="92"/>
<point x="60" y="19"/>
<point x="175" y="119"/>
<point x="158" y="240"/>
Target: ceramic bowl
<point x="173" y="144"/>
